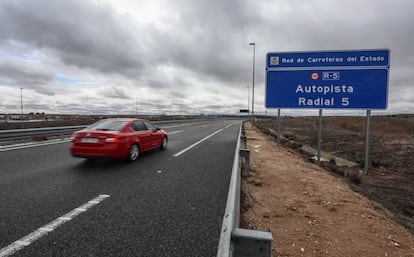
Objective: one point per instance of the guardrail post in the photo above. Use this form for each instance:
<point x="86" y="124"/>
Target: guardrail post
<point x="243" y="138"/>
<point x="251" y="243"/>
<point x="245" y="153"/>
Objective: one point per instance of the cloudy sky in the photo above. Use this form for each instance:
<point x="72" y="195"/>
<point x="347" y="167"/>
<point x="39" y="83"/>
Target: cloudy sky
<point x="183" y="56"/>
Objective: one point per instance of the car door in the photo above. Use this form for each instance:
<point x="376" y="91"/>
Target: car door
<point x="156" y="136"/>
<point x="143" y="135"/>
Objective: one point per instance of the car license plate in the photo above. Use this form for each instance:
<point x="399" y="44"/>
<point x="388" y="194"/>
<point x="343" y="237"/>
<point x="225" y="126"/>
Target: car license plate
<point x="89" y="140"/>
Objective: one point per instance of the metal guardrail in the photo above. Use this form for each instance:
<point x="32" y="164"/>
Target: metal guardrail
<point x="231" y="213"/>
<point x="235" y="241"/>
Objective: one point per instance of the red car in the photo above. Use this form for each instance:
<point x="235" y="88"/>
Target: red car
<point x="118" y="139"/>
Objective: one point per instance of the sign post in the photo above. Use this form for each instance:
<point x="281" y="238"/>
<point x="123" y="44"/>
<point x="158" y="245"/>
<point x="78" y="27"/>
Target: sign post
<point x="328" y="80"/>
<point x="367" y="133"/>
<point x="278" y="126"/>
<point x="319" y="136"/>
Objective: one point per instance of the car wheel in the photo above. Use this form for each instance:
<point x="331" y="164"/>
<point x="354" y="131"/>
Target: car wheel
<point x="164" y="143"/>
<point x="133" y="153"/>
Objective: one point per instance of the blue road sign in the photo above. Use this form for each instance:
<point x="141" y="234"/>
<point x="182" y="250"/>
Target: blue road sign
<point x="327" y="80"/>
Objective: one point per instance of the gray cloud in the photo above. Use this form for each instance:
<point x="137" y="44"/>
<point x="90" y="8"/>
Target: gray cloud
<point x="86" y="34"/>
<point x="21" y="73"/>
<point x="211" y="38"/>
<point x="114" y="92"/>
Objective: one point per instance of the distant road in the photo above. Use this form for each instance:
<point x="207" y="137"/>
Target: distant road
<point x="167" y="203"/>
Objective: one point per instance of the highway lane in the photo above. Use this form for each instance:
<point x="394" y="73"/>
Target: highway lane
<point x="160" y="205"/>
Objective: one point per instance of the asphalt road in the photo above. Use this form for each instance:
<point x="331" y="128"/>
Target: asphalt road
<point x="167" y="203"/>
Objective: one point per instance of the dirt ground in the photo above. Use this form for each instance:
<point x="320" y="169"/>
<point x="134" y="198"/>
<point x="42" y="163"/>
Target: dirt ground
<point x="390" y="178"/>
<point x="312" y="211"/>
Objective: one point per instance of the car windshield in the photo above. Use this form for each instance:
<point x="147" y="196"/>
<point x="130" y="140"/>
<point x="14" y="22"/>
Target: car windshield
<point x="107" y="125"/>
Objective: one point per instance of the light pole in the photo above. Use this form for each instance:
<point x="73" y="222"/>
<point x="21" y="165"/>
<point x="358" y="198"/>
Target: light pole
<point x="254" y="56"/>
<point x="248" y="100"/>
<point x="21" y="105"/>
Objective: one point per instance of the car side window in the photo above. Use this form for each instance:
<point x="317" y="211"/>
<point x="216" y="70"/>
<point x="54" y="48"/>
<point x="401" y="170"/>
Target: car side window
<point x="150" y="126"/>
<point x="138" y="126"/>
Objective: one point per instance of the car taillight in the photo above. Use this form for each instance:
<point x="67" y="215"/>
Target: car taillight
<point x="112" y="140"/>
<point x="73" y="138"/>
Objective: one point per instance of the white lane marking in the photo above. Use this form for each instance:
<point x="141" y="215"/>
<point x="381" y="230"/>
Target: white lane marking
<point x="175" y="132"/>
<point x="196" y="143"/>
<point x="22" y="243"/>
<point x="228" y="126"/>
<point x="47" y="229"/>
<point x="42" y="231"/>
<point x="64" y="218"/>
<point x="159" y="171"/>
<point x="29" y="145"/>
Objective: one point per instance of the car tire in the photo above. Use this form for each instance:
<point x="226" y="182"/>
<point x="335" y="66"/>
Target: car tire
<point x="164" y="143"/>
<point x="133" y="153"/>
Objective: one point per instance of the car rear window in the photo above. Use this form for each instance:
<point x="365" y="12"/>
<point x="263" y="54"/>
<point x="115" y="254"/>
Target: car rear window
<point x="107" y="125"/>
